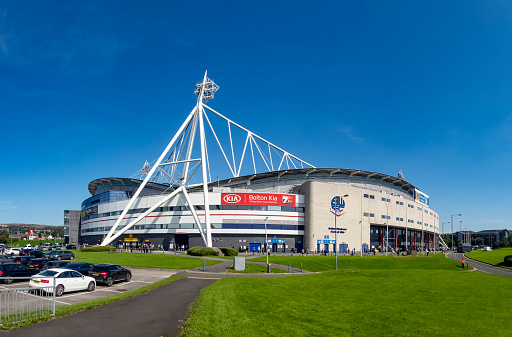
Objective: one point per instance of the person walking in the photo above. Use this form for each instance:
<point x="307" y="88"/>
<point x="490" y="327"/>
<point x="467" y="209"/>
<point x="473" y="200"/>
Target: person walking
<point x="462" y="262"/>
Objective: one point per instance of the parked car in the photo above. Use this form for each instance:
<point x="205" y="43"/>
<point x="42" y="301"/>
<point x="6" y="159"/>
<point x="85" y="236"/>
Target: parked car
<point x="70" y="246"/>
<point x="24" y="251"/>
<point x="5" y="258"/>
<point x="82" y="267"/>
<point x="12" y="251"/>
<point x="110" y="273"/>
<point x="62" y="255"/>
<point x="38" y="263"/>
<point x="36" y="253"/>
<point x="55" y="264"/>
<point x="22" y="259"/>
<point x="9" y="270"/>
<point x="66" y="280"/>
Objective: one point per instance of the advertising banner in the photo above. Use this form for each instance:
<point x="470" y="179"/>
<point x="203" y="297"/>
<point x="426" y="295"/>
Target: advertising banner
<point x="268" y="199"/>
<point x="420" y="197"/>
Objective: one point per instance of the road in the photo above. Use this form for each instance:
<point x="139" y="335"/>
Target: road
<point x="482" y="267"/>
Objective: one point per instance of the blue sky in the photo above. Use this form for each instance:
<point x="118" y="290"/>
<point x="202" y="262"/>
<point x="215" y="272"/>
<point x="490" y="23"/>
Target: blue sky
<point x="93" y="89"/>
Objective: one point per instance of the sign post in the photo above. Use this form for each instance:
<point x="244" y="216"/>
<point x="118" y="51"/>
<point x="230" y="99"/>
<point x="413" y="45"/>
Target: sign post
<point x="337" y="208"/>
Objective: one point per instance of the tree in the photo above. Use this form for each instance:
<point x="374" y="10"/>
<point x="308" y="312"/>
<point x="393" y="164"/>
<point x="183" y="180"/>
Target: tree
<point x="479" y="241"/>
<point x="504" y="242"/>
<point x="4" y="236"/>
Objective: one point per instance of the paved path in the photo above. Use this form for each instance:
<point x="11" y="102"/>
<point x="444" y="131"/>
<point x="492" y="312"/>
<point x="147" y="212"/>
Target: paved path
<point x="482" y="267"/>
<point x="160" y="312"/>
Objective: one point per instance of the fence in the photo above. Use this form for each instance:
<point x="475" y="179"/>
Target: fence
<point x="26" y="304"/>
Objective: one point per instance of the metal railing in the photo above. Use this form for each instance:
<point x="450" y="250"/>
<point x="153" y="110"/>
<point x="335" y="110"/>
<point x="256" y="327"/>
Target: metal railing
<point x="24" y="304"/>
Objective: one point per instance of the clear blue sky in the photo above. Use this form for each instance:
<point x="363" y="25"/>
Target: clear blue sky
<point x="92" y="89"/>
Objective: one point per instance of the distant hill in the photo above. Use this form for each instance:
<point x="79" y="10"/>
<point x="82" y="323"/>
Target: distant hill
<point x="23" y="227"/>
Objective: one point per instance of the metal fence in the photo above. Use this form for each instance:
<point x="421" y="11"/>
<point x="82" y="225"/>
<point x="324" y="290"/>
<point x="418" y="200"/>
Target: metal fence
<point x="26" y="304"/>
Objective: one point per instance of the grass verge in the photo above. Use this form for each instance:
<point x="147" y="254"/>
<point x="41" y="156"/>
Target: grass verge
<point x="432" y="298"/>
<point x="494" y="257"/>
<point x="154" y="260"/>
<point x="74" y="308"/>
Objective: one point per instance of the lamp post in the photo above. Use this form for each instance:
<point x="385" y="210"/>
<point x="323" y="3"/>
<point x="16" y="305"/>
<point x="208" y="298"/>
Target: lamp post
<point x="452" y="229"/>
<point x="266" y="243"/>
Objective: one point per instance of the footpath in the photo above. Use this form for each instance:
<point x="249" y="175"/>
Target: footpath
<point x="159" y="312"/>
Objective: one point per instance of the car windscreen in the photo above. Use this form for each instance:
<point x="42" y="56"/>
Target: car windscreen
<point x="75" y="265"/>
<point x="101" y="268"/>
<point x="48" y="273"/>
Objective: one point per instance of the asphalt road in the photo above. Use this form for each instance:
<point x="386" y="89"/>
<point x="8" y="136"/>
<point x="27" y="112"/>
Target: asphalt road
<point x="482" y="267"/>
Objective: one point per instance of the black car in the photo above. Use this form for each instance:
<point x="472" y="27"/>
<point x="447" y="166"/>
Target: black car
<point x="36" y="253"/>
<point x="10" y="270"/>
<point x="5" y="258"/>
<point x="22" y="259"/>
<point x="38" y="263"/>
<point x="110" y="273"/>
<point x="55" y="264"/>
<point x="82" y="267"/>
<point x="62" y="255"/>
<point x="70" y="246"/>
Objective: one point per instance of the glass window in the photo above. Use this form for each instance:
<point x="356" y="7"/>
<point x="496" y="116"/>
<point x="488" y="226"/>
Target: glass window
<point x="383" y="199"/>
<point x="372" y="197"/>
<point x="288" y="209"/>
<point x="229" y="207"/>
<point x="366" y="196"/>
<point x="274" y="208"/>
<point x="244" y="207"/>
<point x="372" y="215"/>
<point x="214" y="207"/>
<point x="366" y="214"/>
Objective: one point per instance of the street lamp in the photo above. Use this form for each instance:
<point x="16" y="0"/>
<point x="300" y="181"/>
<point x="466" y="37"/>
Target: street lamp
<point x="266" y="249"/>
<point x="452" y="229"/>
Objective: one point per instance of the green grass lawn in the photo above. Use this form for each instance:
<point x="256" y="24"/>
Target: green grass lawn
<point x="420" y="296"/>
<point x="367" y="262"/>
<point x="154" y="260"/>
<point x="494" y="257"/>
<point x="256" y="268"/>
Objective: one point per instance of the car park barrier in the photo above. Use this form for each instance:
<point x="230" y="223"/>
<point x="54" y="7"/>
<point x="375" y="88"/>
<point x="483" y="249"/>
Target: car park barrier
<point x="24" y="304"/>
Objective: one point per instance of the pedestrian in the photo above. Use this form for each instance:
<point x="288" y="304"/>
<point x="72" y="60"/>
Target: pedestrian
<point x="462" y="262"/>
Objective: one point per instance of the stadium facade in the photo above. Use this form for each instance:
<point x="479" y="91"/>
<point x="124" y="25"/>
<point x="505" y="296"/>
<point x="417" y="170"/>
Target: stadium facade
<point x="270" y="197"/>
<point x="292" y="208"/>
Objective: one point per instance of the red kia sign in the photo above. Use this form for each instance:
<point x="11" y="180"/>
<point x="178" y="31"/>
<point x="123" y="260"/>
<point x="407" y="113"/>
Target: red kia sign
<point x="258" y="199"/>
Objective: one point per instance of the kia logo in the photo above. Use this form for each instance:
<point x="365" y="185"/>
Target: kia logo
<point x="232" y="198"/>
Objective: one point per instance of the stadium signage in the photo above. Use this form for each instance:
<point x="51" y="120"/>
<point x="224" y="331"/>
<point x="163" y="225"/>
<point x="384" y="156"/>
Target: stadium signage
<point x="268" y="199"/>
<point x="421" y="197"/>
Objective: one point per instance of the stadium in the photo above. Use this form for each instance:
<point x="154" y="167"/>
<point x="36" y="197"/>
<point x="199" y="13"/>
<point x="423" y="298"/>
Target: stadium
<point x="271" y="199"/>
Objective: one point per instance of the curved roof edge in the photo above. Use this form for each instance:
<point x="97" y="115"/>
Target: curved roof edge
<point x="93" y="185"/>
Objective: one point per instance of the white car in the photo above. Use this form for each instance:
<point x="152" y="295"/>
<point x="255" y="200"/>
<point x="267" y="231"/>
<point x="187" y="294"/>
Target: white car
<point x="65" y="280"/>
<point x="12" y="251"/>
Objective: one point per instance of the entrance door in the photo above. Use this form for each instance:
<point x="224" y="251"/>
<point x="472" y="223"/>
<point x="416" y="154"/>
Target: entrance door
<point x="181" y="240"/>
<point x="365" y="247"/>
<point x="344" y="248"/>
<point x="326" y="248"/>
<point x="318" y="248"/>
<point x="253" y="247"/>
<point x="298" y="246"/>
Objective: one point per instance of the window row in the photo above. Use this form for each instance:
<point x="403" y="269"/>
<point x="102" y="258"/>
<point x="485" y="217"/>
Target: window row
<point x="201" y="207"/>
<point x="371" y="196"/>
<point x="193" y="225"/>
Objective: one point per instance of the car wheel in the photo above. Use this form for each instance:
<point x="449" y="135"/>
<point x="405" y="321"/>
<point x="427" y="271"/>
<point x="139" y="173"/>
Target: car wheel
<point x="72" y="257"/>
<point x="91" y="286"/>
<point x="59" y="258"/>
<point x="110" y="282"/>
<point x="59" y="290"/>
<point x="128" y="277"/>
<point x="8" y="280"/>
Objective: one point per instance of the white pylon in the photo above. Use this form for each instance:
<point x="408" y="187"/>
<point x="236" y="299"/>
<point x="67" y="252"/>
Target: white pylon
<point x="176" y="165"/>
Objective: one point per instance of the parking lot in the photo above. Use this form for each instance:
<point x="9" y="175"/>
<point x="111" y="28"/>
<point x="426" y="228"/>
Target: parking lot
<point x="140" y="278"/>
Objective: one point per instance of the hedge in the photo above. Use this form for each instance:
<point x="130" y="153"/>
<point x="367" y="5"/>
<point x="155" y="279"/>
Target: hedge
<point x="202" y="251"/>
<point x="98" y="249"/>
<point x="228" y="251"/>
<point x="507" y="261"/>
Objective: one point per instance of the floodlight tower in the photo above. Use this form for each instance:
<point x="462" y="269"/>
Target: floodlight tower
<point x="204" y="92"/>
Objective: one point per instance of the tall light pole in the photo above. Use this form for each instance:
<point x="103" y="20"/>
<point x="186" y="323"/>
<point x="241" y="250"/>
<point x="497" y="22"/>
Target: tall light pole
<point x="266" y="247"/>
<point x="452" y="229"/>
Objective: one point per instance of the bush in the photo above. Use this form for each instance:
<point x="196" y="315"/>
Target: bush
<point x="228" y="251"/>
<point x="98" y="249"/>
<point x="507" y="261"/>
<point x="202" y="251"/>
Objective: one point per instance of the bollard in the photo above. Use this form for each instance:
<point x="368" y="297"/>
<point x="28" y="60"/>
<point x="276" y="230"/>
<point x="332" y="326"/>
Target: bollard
<point x="269" y="269"/>
<point x="204" y="265"/>
<point x="288" y="267"/>
<point x="301" y="267"/>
